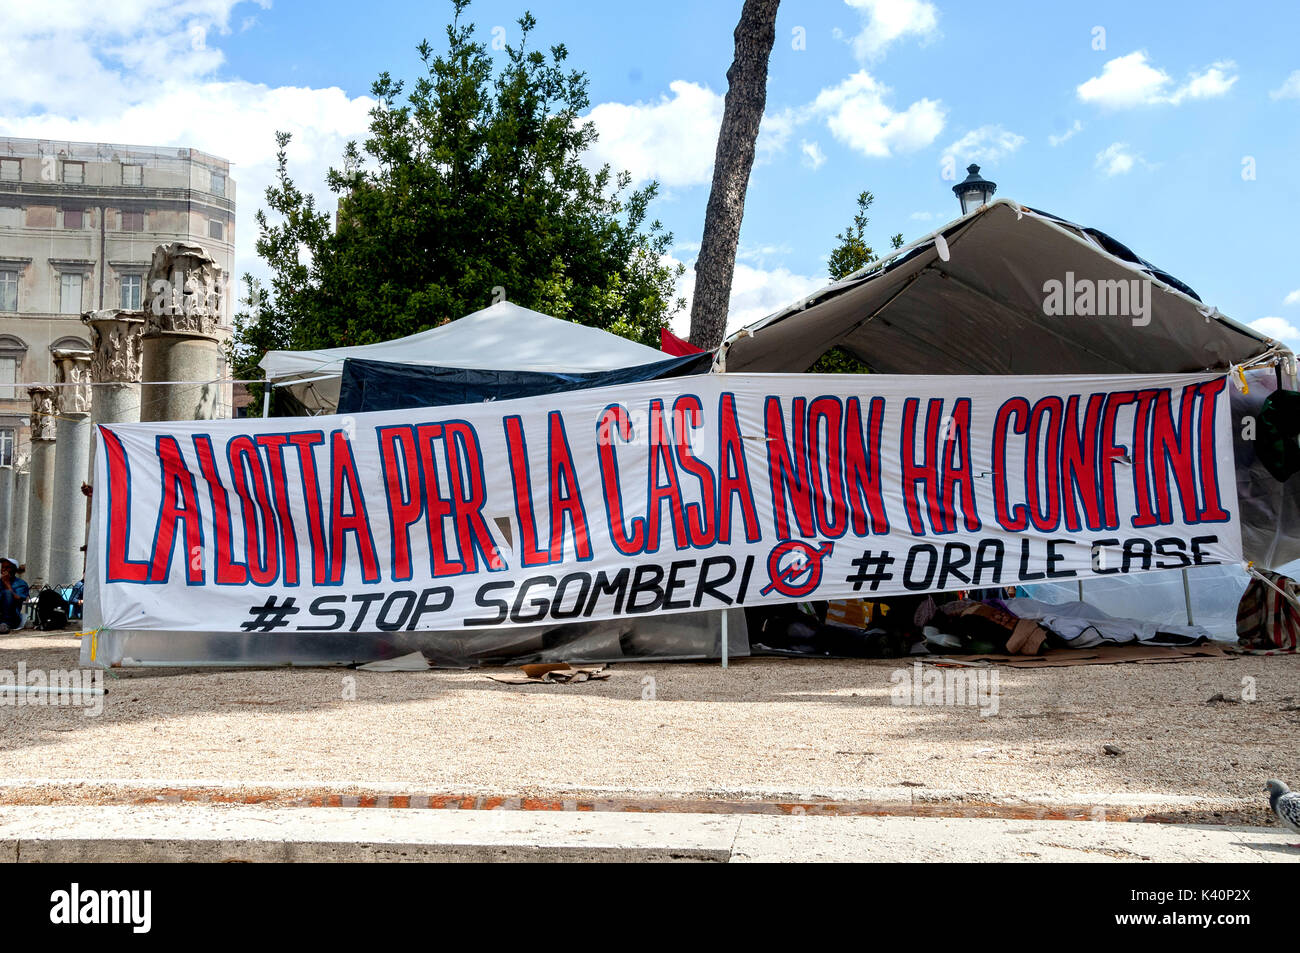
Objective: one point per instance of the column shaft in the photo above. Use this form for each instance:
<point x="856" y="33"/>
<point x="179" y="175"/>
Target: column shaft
<point x="18" y="513"/>
<point x="40" y="502"/>
<point x="6" y="506"/>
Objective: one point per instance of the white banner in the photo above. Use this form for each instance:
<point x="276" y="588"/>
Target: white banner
<point x="665" y="496"/>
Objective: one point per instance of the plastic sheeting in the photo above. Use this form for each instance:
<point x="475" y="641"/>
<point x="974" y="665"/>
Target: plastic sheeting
<point x="1160" y="597"/>
<point x="691" y="635"/>
<point x="1270" y="510"/>
<point x="380" y="385"/>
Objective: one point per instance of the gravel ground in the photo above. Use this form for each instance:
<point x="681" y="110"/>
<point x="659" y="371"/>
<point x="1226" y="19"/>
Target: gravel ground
<point x="764" y="728"/>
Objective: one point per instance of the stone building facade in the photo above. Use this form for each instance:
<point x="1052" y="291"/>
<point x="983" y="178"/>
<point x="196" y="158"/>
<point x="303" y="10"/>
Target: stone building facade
<point x="79" y="223"/>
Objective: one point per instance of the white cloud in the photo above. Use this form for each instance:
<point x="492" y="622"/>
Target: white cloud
<point x="858" y="116"/>
<point x="755" y="293"/>
<point x="145" y="72"/>
<point x="672" y="139"/>
<point x="1277" y="328"/>
<point x="986" y="144"/>
<point x="1117" y="159"/>
<point x="1067" y="135"/>
<point x="760" y="253"/>
<point x="885" y="21"/>
<point x="813" y="157"/>
<point x="1292" y="298"/>
<point x="1131" y="80"/>
<point x="1211" y="83"/>
<point x="66" y="56"/>
<point x="1290" y="88"/>
<point x="774" y="132"/>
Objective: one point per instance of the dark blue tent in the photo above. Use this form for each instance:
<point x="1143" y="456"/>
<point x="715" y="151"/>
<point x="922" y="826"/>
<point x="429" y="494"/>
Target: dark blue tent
<point x="380" y="385"/>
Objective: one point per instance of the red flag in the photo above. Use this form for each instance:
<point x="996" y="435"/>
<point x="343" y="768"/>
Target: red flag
<point x="670" y="343"/>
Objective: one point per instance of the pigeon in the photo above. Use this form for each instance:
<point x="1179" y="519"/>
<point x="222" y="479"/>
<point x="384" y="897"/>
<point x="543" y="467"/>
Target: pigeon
<point x="1285" y="804"/>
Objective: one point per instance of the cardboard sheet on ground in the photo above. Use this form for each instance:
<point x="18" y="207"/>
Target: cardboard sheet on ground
<point x="1102" y="655"/>
<point x="552" y="674"/>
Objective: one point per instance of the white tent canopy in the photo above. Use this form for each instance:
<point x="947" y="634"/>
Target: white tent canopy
<point x="503" y="337"/>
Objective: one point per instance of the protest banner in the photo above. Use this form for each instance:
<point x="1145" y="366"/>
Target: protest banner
<point x="695" y="493"/>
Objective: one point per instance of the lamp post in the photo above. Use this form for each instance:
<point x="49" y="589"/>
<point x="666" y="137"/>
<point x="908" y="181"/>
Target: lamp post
<point x="973" y="191"/>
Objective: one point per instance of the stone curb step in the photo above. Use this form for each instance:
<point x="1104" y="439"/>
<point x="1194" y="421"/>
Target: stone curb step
<point x="165" y="833"/>
<point x="910" y="802"/>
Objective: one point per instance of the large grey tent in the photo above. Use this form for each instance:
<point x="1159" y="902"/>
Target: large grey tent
<point x="969" y="299"/>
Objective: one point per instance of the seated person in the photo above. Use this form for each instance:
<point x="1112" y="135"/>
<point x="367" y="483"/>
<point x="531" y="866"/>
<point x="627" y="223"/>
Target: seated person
<point x="76" y="599"/>
<point x="13" y="594"/>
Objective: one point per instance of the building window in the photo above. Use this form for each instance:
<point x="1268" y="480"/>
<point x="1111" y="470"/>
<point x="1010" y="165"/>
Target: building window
<point x="6" y="446"/>
<point x="74" y="173"/>
<point x="133" y="221"/>
<point x="70" y="293"/>
<point x="132" y="292"/>
<point x="8" y="289"/>
<point x="11" y="170"/>
<point x="218" y="183"/>
<point x="133" y="175"/>
<point x="12" y="217"/>
<point x="8" y="377"/>
<point x="214" y="229"/>
<point x="74" y="218"/>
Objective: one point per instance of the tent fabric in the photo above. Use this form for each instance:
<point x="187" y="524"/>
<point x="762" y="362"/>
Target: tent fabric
<point x="969" y="299"/>
<point x="380" y="385"/>
<point x="502" y="337"/>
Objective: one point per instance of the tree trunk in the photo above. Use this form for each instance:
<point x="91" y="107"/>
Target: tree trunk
<point x="741" y="115"/>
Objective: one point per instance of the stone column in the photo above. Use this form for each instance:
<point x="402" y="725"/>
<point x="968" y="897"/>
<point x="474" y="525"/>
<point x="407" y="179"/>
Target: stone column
<point x="18" y="522"/>
<point x="6" y="507"/>
<point x="41" y="486"/>
<point x="115" y="364"/>
<point x="72" y="434"/>
<point x="114" y="369"/>
<point x="180" y="335"/>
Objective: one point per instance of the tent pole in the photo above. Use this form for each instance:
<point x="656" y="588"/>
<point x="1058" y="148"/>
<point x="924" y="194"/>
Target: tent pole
<point x="724" y="638"/>
<point x="1080" y="588"/>
<point x="1187" y="598"/>
<point x="266" y="400"/>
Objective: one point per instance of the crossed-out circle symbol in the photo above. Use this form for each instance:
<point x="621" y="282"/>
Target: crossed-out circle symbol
<point x="794" y="568"/>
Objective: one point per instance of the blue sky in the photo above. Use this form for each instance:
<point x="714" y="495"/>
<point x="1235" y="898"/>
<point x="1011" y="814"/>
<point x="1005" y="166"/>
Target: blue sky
<point x="1174" y="127"/>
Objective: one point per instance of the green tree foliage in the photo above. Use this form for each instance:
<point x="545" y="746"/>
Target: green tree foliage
<point x="851" y="254"/>
<point x="473" y="182"/>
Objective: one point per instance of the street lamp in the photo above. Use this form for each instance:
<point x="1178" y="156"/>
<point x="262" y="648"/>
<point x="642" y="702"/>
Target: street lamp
<point x="973" y="191"/>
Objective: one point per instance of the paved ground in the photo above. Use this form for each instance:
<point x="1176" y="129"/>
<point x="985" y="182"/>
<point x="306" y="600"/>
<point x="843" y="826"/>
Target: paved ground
<point x="111" y="834"/>
<point x="765" y="729"/>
